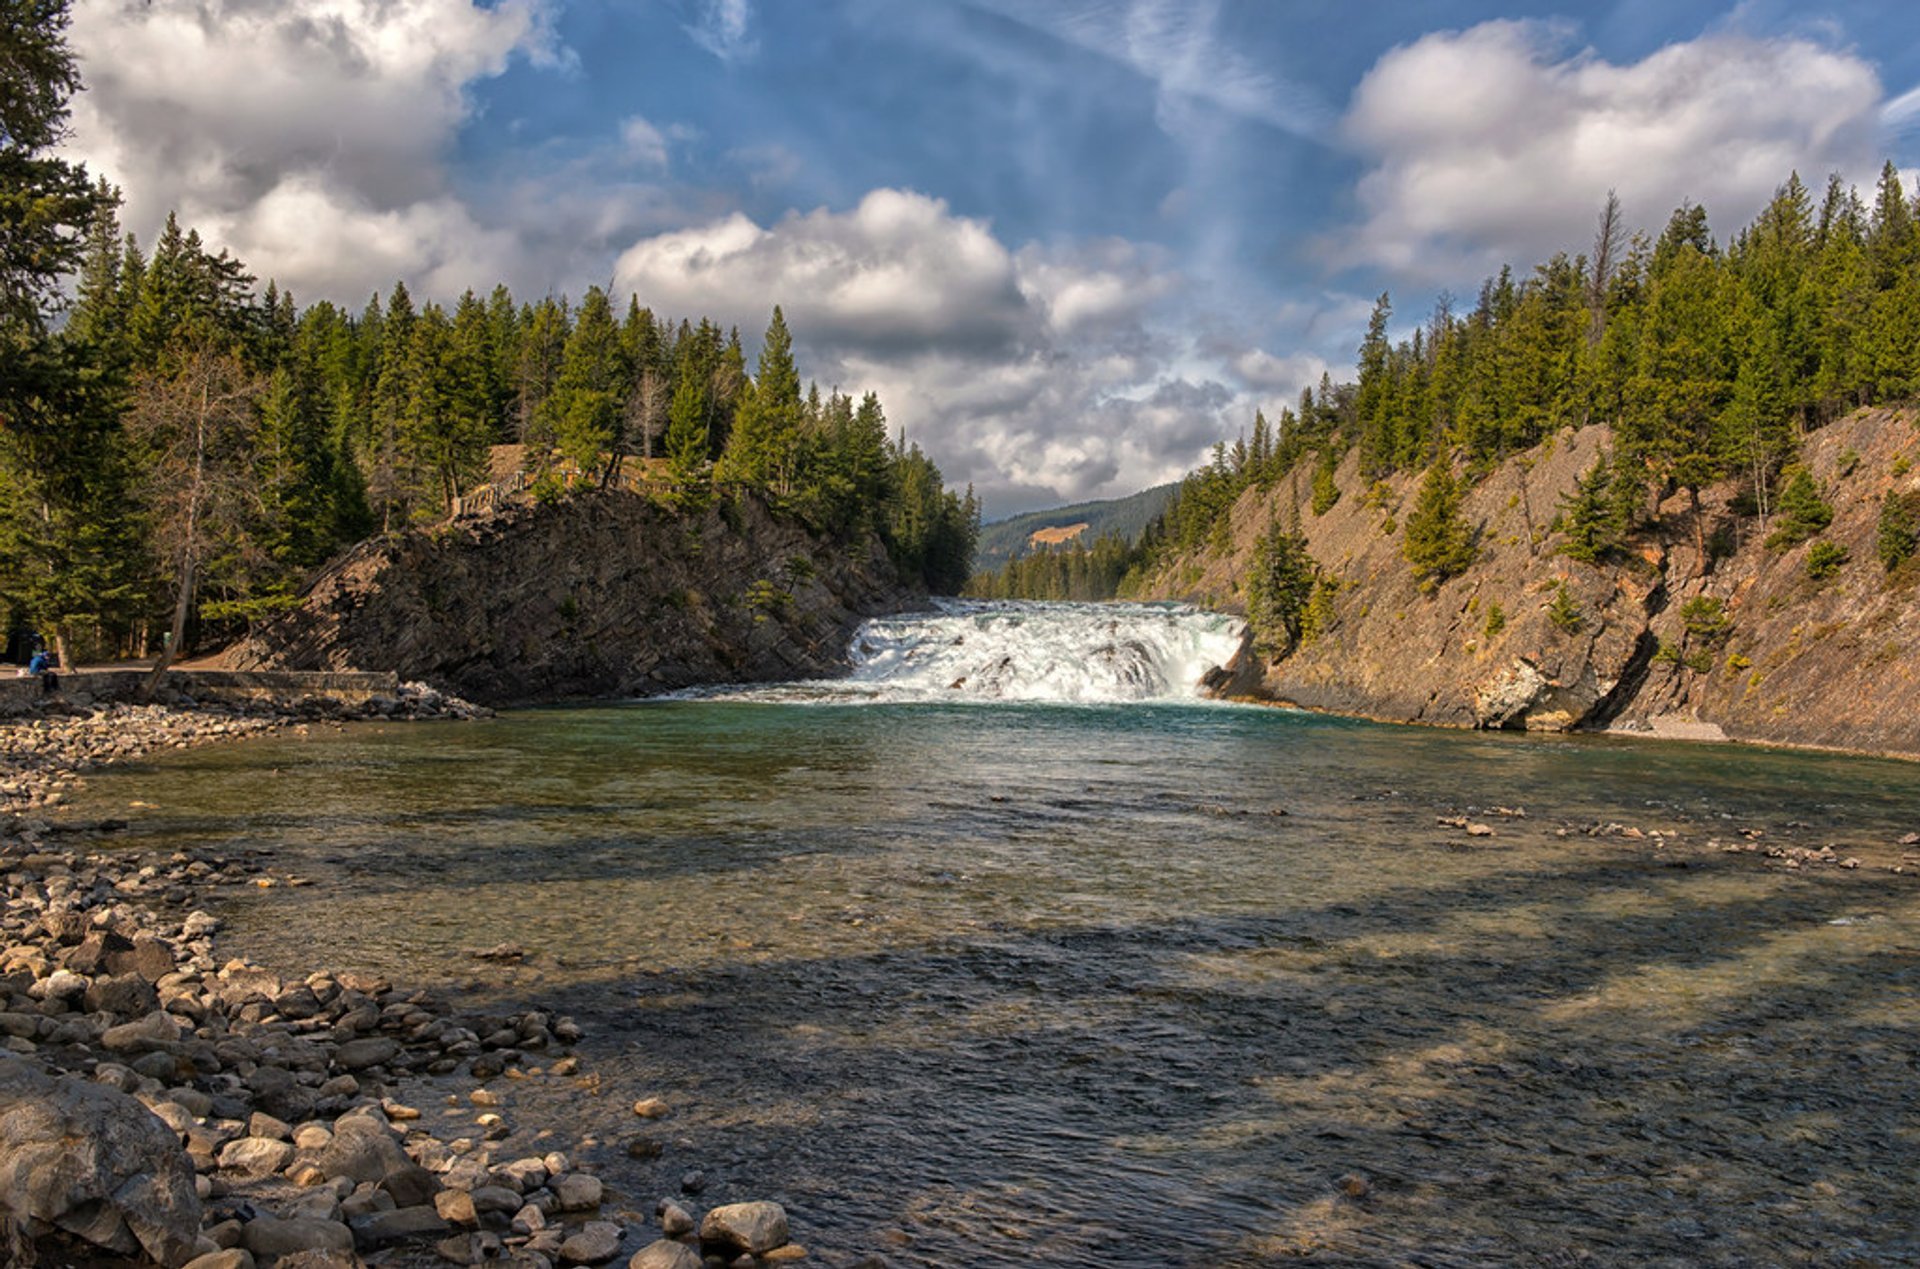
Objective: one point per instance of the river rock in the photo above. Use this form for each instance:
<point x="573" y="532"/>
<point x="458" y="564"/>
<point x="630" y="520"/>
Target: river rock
<point x="256" y="1156"/>
<point x="142" y="1035"/>
<point x="578" y="1192"/>
<point x="358" y="1055"/>
<point x="675" y="1222"/>
<point x="751" y="1228"/>
<point x="270" y="1237"/>
<point x="362" y="1149"/>
<point x="378" y="1229"/>
<point x="226" y="1258"/>
<point x="84" y="1158"/>
<point x="665" y="1254"/>
<point x="597" y="1243"/>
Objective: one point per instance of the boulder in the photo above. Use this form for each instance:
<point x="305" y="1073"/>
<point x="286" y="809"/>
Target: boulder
<point x="378" y="1229"/>
<point x="270" y="1237"/>
<point x="156" y="1032"/>
<point x="358" y="1055"/>
<point x="362" y="1149"/>
<point x="84" y="1158"/>
<point x="596" y="1243"/>
<point x="578" y="1192"/>
<point x="744" y="1229"/>
<point x="256" y="1156"/>
<point x="665" y="1254"/>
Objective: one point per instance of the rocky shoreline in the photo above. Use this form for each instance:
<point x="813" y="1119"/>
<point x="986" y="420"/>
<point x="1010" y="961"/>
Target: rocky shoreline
<point x="159" y="1104"/>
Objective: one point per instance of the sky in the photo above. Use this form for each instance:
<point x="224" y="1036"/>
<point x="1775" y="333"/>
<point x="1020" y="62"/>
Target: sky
<point x="1071" y="243"/>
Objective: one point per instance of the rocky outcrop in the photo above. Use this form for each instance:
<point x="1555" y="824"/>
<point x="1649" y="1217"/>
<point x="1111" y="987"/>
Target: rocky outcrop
<point x="95" y="1164"/>
<point x="596" y="595"/>
<point x="1528" y="638"/>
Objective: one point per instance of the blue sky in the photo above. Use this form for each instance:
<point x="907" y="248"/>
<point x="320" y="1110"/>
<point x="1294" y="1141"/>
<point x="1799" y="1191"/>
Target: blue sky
<point x="1070" y="242"/>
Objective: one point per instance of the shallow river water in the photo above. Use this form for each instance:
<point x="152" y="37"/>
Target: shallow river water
<point x="972" y="981"/>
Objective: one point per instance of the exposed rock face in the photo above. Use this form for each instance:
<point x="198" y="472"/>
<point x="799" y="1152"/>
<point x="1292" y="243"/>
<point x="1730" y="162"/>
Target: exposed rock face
<point x="1830" y="662"/>
<point x="94" y="1163"/>
<point x="598" y="595"/>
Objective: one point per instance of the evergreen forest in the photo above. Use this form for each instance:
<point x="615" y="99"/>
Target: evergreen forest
<point x="181" y="448"/>
<point x="1707" y="360"/>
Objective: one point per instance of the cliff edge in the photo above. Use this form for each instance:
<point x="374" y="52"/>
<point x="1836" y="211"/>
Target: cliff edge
<point x="602" y="594"/>
<point x="1772" y="651"/>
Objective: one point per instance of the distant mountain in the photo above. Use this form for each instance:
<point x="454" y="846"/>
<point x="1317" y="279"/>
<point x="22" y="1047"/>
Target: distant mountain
<point x="1082" y="522"/>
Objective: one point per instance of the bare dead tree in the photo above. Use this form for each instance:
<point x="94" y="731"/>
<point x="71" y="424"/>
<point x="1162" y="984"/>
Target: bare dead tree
<point x="196" y="426"/>
<point x="1609" y="240"/>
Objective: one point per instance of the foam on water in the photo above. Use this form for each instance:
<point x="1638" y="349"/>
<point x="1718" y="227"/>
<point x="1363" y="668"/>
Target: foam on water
<point x="1023" y="651"/>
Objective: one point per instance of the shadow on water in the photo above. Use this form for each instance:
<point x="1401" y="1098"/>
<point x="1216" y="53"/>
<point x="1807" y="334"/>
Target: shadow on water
<point x="1734" y="1087"/>
<point x="1032" y="986"/>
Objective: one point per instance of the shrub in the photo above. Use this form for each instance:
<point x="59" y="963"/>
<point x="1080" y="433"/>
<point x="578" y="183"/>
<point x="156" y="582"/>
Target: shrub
<point x="1325" y="492"/>
<point x="1563" y="612"/>
<point x="1705" y="620"/>
<point x="1802" y="512"/>
<point x="1824" y="559"/>
<point x="1280" y="590"/>
<point x="1439" y="541"/>
<point x="1496" y="620"/>
<point x="1899" y="529"/>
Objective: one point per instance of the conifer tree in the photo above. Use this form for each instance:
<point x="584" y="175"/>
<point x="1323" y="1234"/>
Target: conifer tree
<point x="1439" y="542"/>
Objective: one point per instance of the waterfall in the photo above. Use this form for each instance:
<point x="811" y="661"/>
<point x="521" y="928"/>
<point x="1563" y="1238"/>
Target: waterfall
<point x="1020" y="651"/>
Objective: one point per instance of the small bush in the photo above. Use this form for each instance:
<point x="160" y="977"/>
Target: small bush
<point x="1325" y="492"/>
<point x="1899" y="533"/>
<point x="1802" y="512"/>
<point x="1824" y="559"/>
<point x="1848" y="460"/>
<point x="1496" y="620"/>
<point x="1563" y="612"/>
<point x="1705" y="620"/>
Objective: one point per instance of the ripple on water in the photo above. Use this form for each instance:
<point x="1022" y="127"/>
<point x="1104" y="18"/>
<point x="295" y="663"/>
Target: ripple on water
<point x="1139" y="987"/>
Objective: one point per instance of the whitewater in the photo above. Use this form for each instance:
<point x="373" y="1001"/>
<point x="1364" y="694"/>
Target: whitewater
<point x="1024" y="651"/>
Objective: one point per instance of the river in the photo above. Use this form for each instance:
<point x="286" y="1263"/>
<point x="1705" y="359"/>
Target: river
<point x="1010" y="951"/>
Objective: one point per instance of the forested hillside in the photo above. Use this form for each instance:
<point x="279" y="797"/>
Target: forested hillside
<point x="1669" y="486"/>
<point x="180" y="447"/>
<point x="1707" y="362"/>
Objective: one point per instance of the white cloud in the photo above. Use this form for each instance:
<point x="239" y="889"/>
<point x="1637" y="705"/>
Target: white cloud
<point x="277" y="127"/>
<point x="642" y="142"/>
<point x="722" y="29"/>
<point x="1037" y="374"/>
<point x="1493" y="145"/>
<point x="1175" y="45"/>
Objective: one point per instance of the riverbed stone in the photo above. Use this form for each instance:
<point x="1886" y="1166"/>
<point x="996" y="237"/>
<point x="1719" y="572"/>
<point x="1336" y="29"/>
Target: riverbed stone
<point x="596" y="1243"/>
<point x="675" y="1221"/>
<point x="94" y="1162"/>
<point x="269" y="1236"/>
<point x="665" y="1254"/>
<point x="578" y="1192"/>
<point x="753" y="1228"/>
<point x="358" y="1055"/>
<point x="226" y="1258"/>
<point x="379" y="1229"/>
<point x="256" y="1156"/>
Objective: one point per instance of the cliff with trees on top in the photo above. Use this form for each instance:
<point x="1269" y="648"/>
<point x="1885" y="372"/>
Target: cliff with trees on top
<point x="1668" y="485"/>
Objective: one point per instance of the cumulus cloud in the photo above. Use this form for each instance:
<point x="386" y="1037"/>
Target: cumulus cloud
<point x="1493" y="144"/>
<point x="309" y="136"/>
<point x="1039" y="374"/>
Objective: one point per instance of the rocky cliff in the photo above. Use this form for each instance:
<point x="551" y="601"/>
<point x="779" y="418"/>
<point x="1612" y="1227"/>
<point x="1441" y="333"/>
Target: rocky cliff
<point x="598" y="595"/>
<point x="1826" y="661"/>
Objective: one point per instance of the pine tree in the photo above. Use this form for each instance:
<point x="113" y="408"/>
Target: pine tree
<point x="1439" y="542"/>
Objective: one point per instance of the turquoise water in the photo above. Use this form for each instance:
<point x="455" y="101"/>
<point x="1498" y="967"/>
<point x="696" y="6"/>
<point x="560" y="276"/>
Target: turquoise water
<point x="1014" y="984"/>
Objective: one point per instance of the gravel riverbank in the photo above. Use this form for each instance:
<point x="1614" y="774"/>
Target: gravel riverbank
<point x="162" y="1103"/>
